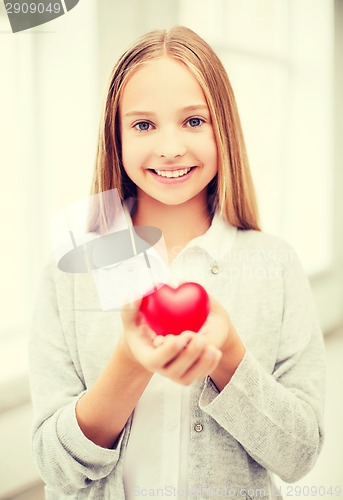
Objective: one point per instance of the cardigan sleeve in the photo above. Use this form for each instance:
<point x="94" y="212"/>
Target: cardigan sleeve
<point x="67" y="460"/>
<point x="278" y="417"/>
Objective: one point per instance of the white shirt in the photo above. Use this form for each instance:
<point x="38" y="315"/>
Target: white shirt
<point x="156" y="457"/>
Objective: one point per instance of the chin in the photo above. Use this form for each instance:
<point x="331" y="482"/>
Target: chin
<point x="173" y="201"/>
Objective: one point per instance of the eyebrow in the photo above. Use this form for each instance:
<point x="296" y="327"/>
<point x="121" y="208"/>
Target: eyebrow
<point x="193" y="107"/>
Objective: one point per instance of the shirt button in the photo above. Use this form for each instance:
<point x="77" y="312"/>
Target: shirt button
<point x="215" y="269"/>
<point x="198" y="427"/>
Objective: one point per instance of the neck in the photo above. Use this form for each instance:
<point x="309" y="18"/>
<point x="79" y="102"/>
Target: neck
<point x="179" y="223"/>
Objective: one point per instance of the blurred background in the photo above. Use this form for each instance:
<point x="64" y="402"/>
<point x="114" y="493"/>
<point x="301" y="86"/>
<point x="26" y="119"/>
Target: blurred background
<point x="285" y="62"/>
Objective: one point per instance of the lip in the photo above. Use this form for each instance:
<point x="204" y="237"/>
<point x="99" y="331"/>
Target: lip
<point x="171" y="168"/>
<point x="172" y="180"/>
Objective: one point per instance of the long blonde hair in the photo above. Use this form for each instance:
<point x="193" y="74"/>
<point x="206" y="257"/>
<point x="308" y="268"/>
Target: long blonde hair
<point x="231" y="192"/>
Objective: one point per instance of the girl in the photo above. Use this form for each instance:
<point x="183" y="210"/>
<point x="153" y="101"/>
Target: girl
<point x="120" y="412"/>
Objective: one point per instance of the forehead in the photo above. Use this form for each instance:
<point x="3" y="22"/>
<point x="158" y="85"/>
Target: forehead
<point x="163" y="81"/>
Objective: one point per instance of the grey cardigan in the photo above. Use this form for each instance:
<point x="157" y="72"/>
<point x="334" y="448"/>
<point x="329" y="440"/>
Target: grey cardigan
<point x="268" y="419"/>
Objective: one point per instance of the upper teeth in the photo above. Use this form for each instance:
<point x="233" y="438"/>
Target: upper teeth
<point x="172" y="173"/>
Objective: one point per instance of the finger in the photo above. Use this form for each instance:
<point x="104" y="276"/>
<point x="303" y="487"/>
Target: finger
<point x="132" y="306"/>
<point x="178" y="366"/>
<point x="205" y="364"/>
<point x="161" y="339"/>
<point x="214" y="303"/>
<point x="171" y="347"/>
<point x="158" y="340"/>
<point x="130" y="312"/>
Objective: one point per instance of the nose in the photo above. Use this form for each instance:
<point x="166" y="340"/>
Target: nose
<point x="169" y="145"/>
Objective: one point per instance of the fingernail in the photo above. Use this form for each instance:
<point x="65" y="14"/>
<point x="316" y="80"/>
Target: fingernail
<point x="181" y="343"/>
<point x="159" y="340"/>
<point x="213" y="353"/>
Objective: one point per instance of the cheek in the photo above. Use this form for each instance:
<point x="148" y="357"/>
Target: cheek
<point x="134" y="153"/>
<point x="125" y="148"/>
<point x="129" y="156"/>
<point x="207" y="151"/>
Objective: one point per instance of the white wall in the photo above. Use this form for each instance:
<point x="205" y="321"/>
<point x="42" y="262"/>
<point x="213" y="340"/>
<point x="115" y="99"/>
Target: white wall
<point x="50" y="131"/>
<point x="328" y="287"/>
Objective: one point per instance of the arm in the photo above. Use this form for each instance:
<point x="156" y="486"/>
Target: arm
<point x="233" y="354"/>
<point x="277" y="417"/>
<point x="76" y="432"/>
<point x="104" y="409"/>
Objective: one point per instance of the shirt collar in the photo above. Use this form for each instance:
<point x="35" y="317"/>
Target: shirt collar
<point x="216" y="241"/>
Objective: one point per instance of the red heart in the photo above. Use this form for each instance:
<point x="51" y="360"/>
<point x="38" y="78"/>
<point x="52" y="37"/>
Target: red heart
<point x="174" y="310"/>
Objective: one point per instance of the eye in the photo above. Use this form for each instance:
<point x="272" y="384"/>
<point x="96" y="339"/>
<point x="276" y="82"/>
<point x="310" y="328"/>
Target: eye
<point x="142" y="126"/>
<point x="195" y="122"/>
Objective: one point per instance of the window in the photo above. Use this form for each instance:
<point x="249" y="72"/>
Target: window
<point x="278" y="55"/>
<point x="16" y="166"/>
<point x="48" y="144"/>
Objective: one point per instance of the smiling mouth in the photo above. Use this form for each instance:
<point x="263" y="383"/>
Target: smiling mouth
<point x="172" y="173"/>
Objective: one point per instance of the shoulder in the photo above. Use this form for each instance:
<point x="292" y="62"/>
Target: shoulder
<point x="67" y="290"/>
<point x="262" y="246"/>
<point x="53" y="277"/>
<point x="261" y="240"/>
<point x="269" y="255"/>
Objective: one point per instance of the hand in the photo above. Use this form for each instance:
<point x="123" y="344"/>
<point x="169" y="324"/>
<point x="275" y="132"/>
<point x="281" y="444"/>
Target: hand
<point x="218" y="328"/>
<point x="139" y="337"/>
<point x="183" y="358"/>
<point x="217" y="333"/>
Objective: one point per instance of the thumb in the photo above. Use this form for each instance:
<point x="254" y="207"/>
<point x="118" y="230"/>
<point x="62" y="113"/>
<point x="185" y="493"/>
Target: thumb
<point x="130" y="312"/>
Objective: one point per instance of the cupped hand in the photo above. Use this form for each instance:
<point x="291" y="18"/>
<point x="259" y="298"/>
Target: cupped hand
<point x="218" y="329"/>
<point x="183" y="358"/>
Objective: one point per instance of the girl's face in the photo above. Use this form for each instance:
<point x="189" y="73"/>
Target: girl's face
<point x="168" y="146"/>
